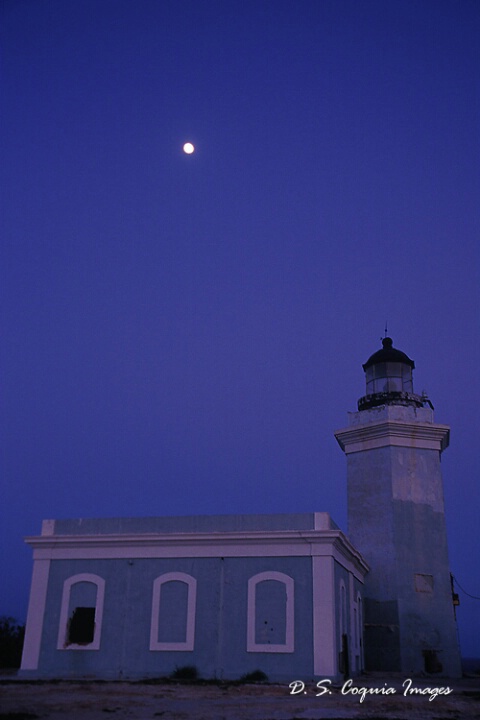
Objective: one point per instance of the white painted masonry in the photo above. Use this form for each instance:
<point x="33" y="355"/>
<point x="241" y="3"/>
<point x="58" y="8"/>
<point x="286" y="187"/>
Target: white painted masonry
<point x="35" y="615"/>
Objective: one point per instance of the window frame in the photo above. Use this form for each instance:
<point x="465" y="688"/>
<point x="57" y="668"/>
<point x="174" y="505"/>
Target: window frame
<point x="99" y="582"/>
<point x="188" y="644"/>
<point x="289" y="645"/>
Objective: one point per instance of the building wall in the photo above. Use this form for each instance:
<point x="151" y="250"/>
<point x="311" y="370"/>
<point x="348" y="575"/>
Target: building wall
<point x="396" y="518"/>
<point x="349" y="620"/>
<point x="220" y="648"/>
<point x="409" y="607"/>
<point x="231" y="604"/>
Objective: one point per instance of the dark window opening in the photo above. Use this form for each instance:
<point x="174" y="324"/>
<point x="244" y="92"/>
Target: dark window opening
<point x="432" y="663"/>
<point x="81" y="627"/>
<point x="344" y="663"/>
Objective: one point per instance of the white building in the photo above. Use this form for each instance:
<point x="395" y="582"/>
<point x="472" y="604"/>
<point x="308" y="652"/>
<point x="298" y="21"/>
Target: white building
<point x="286" y="594"/>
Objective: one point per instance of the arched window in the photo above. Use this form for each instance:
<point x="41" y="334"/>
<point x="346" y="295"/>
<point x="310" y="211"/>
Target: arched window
<point x="360" y="630"/>
<point x="173" y="612"/>
<point x="270" y="613"/>
<point x="81" y="612"/>
<point x="343" y="609"/>
<point x="344" y="654"/>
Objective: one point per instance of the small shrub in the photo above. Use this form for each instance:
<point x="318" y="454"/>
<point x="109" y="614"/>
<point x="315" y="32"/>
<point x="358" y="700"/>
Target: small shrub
<point x="187" y="672"/>
<point x="11" y="642"/>
<point x="255" y="676"/>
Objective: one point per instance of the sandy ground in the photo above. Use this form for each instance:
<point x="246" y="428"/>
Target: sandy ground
<point x="22" y="700"/>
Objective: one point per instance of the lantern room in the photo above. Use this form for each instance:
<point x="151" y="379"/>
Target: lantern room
<point x="389" y="378"/>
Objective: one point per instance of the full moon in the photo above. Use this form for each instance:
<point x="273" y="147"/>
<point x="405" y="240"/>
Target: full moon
<point x="188" y="148"/>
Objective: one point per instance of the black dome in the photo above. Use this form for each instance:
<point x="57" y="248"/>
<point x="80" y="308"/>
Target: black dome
<point x="388" y="354"/>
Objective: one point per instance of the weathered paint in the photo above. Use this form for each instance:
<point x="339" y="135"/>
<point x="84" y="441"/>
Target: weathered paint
<point x="396" y="518"/>
<point x="249" y="580"/>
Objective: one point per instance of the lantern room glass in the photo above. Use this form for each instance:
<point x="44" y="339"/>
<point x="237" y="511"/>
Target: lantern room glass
<point x="389" y="377"/>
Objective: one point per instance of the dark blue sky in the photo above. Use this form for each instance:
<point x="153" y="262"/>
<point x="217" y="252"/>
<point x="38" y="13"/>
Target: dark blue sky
<point x="183" y="334"/>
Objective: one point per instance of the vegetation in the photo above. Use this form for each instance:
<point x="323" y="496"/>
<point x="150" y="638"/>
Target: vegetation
<point x="255" y="676"/>
<point x="187" y="672"/>
<point x="11" y="642"/>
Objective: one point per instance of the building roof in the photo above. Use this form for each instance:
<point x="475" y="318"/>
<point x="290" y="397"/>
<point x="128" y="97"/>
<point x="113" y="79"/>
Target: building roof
<point x="388" y="354"/>
<point x="190" y="524"/>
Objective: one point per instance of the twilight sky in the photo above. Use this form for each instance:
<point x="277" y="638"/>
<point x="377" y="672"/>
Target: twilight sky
<point x="183" y="334"/>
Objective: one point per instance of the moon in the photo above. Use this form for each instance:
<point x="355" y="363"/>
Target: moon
<point x="188" y="148"/>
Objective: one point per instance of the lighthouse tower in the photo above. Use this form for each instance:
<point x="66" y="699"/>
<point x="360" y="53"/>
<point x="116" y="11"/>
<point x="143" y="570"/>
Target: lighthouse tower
<point x="396" y="519"/>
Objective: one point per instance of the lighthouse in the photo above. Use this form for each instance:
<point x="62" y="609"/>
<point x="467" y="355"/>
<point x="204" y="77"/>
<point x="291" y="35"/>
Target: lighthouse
<point x="396" y="519"/>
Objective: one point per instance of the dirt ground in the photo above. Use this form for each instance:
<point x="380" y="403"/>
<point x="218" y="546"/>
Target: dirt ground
<point x="23" y="700"/>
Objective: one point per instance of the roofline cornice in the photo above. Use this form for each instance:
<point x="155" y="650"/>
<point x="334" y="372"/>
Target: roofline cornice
<point x="428" y="436"/>
<point x="285" y="543"/>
